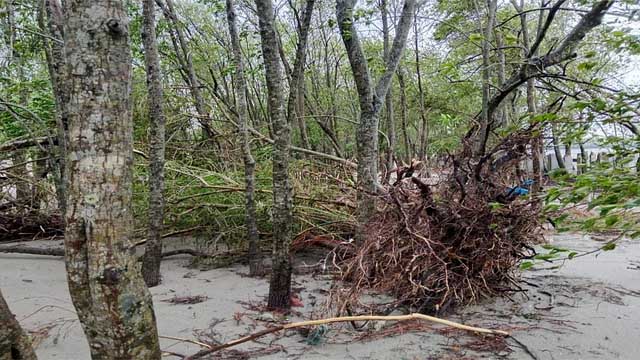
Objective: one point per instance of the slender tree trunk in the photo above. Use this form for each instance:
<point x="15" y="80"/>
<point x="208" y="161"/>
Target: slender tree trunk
<point x="255" y="260"/>
<point x="14" y="342"/>
<point x="280" y="283"/>
<point x="54" y="52"/>
<point x="370" y="101"/>
<point x="503" y="110"/>
<point x="486" y="118"/>
<point x="403" y="115"/>
<point x="537" y="143"/>
<point x="424" y="126"/>
<point x="295" y="105"/>
<point x="153" y="247"/>
<point x="388" y="100"/>
<point x="556" y="146"/>
<point x="113" y="304"/>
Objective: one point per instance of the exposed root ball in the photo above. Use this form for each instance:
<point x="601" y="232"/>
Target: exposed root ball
<point x="449" y="243"/>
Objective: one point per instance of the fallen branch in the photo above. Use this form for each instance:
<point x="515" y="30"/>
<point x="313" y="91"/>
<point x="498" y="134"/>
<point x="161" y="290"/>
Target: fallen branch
<point x="60" y="252"/>
<point x="270" y="330"/>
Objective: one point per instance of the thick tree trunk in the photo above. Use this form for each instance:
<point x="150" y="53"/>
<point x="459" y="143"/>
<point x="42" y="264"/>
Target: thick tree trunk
<point x="153" y="246"/>
<point x="113" y="304"/>
<point x="255" y="259"/>
<point x="14" y="342"/>
<point x="280" y="284"/>
<point x="370" y="99"/>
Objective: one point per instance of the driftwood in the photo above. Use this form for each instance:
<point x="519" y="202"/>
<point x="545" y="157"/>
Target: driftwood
<point x="212" y="349"/>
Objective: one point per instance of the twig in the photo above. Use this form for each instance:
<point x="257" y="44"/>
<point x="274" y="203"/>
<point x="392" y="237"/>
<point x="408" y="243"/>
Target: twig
<point x="264" y="332"/>
<point x="186" y="340"/>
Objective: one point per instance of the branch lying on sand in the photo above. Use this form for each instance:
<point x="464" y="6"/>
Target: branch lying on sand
<point x="18" y="249"/>
<point x="270" y="330"/>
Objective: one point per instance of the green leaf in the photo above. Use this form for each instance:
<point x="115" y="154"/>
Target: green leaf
<point x="572" y="255"/>
<point x="476" y="37"/>
<point x="526" y="265"/>
<point x="611" y="220"/>
<point x="609" y="246"/>
<point x="546" y="256"/>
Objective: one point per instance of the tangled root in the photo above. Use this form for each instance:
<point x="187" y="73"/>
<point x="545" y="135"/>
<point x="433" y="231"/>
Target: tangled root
<point x="434" y="246"/>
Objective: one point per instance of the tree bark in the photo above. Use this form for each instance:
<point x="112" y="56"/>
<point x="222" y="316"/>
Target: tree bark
<point x="295" y="105"/>
<point x="537" y="143"/>
<point x="255" y="260"/>
<point x="113" y="304"/>
<point x="403" y="115"/>
<point x="556" y="146"/>
<point x="54" y="52"/>
<point x="388" y="100"/>
<point x="280" y="283"/>
<point x="153" y="247"/>
<point x="370" y="101"/>
<point x="424" y="126"/>
<point x="486" y="115"/>
<point x="14" y="342"/>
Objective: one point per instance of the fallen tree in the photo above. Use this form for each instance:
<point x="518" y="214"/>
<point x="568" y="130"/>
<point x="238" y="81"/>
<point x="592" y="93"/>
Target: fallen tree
<point x="433" y="246"/>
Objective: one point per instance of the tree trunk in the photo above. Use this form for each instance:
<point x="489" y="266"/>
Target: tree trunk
<point x="280" y="284"/>
<point x="388" y="100"/>
<point x="14" y="342"/>
<point x="556" y="146"/>
<point x="403" y="115"/>
<point x="153" y="246"/>
<point x="424" y="126"/>
<point x="503" y="110"/>
<point x="370" y="101"/>
<point x="113" y="304"/>
<point x="295" y="105"/>
<point x="54" y="52"/>
<point x="537" y="143"/>
<point x="255" y="259"/>
<point x="486" y="118"/>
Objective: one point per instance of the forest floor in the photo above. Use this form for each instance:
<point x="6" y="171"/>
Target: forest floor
<point x="587" y="309"/>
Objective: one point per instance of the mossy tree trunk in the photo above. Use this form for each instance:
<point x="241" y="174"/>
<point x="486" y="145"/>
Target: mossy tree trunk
<point x="113" y="304"/>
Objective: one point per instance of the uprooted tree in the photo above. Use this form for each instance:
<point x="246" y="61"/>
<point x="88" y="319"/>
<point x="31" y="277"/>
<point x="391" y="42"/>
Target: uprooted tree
<point x="435" y="244"/>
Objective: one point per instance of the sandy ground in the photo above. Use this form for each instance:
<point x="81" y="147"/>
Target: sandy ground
<point x="587" y="309"/>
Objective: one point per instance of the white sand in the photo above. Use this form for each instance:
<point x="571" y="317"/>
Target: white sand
<point x="594" y="313"/>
